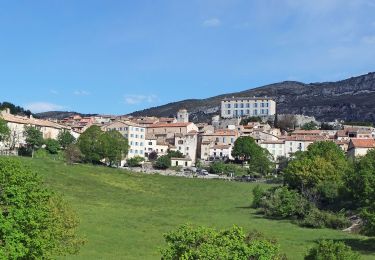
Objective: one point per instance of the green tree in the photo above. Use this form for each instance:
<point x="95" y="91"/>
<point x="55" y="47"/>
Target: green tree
<point x="72" y="154"/>
<point x="89" y="144"/>
<point x="320" y="169"/>
<point x="65" y="138"/>
<point x="309" y="126"/>
<point x="361" y="185"/>
<point x="174" y="154"/>
<point x="35" y="223"/>
<point x="163" y="162"/>
<point x="189" y="242"/>
<point x="52" y="146"/>
<point x="113" y="147"/>
<point x="4" y="130"/>
<point x="34" y="138"/>
<point x="330" y="250"/>
<point x="246" y="149"/>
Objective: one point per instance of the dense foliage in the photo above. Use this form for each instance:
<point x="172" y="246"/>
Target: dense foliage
<point x="309" y="126"/>
<point x="15" y="110"/>
<point x="136" y="161"/>
<point x="73" y="154"/>
<point x="4" y="130"/>
<point x="163" y="162"/>
<point x="361" y="185"/>
<point x="52" y="146"/>
<point x="330" y="250"/>
<point x="34" y="222"/>
<point x="65" y="138"/>
<point x="89" y="144"/>
<point x="188" y="242"/>
<point x="246" y="121"/>
<point x="247" y="150"/>
<point x="113" y="147"/>
<point x="34" y="138"/>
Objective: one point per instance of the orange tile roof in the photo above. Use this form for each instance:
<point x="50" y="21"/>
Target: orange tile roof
<point x="159" y="125"/>
<point x="363" y="143"/>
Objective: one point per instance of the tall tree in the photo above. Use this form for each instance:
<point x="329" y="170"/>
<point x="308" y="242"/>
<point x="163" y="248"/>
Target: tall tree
<point x="4" y="130"/>
<point x="35" y="223"/>
<point x="89" y="144"/>
<point x="246" y="149"/>
<point x="114" y="147"/>
<point x="34" y="138"/>
<point x="65" y="138"/>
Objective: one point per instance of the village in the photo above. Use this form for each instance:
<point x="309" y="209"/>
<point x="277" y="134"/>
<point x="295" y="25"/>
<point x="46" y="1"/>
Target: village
<point x="204" y="142"/>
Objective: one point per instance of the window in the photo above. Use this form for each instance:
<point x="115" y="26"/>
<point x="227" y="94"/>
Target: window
<point x="131" y="135"/>
<point x="247" y="112"/>
<point x="140" y="136"/>
<point x="255" y="112"/>
<point x="235" y="105"/>
<point x="136" y="143"/>
<point x="142" y="129"/>
<point x="131" y="151"/>
<point x="141" y="144"/>
<point x="140" y="151"/>
<point x="262" y="104"/>
<point x="187" y="148"/>
<point x="232" y="140"/>
<point x="186" y="164"/>
<point x="241" y="105"/>
<point x="180" y="142"/>
<point x="228" y="105"/>
<point x="131" y="142"/>
<point x="136" y="129"/>
<point x="136" y="151"/>
<point x="149" y="143"/>
<point x="255" y="104"/>
<point x="228" y="112"/>
<point x="266" y="111"/>
<point x="267" y="104"/>
<point x="247" y="105"/>
<point x="136" y="136"/>
<point x="179" y="148"/>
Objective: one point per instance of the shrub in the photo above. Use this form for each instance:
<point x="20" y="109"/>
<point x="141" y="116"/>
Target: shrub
<point x="330" y="250"/>
<point x="163" y="162"/>
<point x="52" y="146"/>
<point x="73" y="154"/>
<point x="319" y="219"/>
<point x="258" y="194"/>
<point x="136" y="161"/>
<point x="188" y="242"/>
<point x="284" y="203"/>
<point x="153" y="156"/>
<point x="217" y="167"/>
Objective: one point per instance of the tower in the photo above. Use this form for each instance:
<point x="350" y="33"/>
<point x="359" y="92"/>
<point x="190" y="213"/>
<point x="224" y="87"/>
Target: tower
<point x="182" y="116"/>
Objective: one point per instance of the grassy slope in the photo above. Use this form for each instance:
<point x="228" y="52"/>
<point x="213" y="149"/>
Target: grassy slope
<point x="123" y="216"/>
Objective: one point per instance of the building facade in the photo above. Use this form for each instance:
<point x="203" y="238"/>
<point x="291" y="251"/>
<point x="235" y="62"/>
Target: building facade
<point x="247" y="106"/>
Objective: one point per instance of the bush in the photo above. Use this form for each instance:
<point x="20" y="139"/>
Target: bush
<point x="136" y="161"/>
<point x="52" y="146"/>
<point x="283" y="203"/>
<point x="163" y="162"/>
<point x="153" y="156"/>
<point x="258" y="194"/>
<point x="320" y="219"/>
<point x="330" y="250"/>
<point x="73" y="154"/>
<point x="189" y="242"/>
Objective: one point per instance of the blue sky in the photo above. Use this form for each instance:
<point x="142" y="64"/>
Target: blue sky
<point x="115" y="57"/>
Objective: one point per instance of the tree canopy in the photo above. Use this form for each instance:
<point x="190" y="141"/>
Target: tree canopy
<point x="35" y="223"/>
<point x="65" y="138"/>
<point x="34" y="138"/>
<point x="113" y="147"/>
<point x="246" y="149"/>
<point x="89" y="144"/>
<point x="309" y="126"/>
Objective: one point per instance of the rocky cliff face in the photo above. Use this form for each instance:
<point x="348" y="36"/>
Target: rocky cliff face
<point x="352" y="99"/>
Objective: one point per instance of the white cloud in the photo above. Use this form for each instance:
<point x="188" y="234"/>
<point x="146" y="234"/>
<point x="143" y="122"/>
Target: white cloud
<point x="81" y="93"/>
<point x="37" y="107"/>
<point x="369" y="39"/>
<point x="137" y="99"/>
<point x="214" y="22"/>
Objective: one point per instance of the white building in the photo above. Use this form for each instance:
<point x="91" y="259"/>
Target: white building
<point x="247" y="106"/>
<point x="222" y="151"/>
<point x="181" y="162"/>
<point x="275" y="147"/>
<point x="153" y="145"/>
<point x="187" y="144"/>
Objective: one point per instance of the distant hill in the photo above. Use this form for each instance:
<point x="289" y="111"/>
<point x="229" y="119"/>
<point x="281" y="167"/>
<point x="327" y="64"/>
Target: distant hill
<point x="351" y="99"/>
<point x="59" y="114"/>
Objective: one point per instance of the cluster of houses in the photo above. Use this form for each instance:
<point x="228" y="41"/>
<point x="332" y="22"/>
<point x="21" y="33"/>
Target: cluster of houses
<point x="201" y="141"/>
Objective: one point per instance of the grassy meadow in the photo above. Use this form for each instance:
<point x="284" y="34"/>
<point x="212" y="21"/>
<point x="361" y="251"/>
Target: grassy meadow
<point x="124" y="215"/>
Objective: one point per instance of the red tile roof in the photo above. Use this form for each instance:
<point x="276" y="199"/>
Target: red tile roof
<point x="363" y="143"/>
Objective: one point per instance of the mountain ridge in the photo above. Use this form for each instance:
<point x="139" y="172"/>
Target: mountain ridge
<point x="351" y="99"/>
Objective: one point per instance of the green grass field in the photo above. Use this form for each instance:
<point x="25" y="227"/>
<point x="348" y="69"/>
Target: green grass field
<point x="124" y="215"/>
